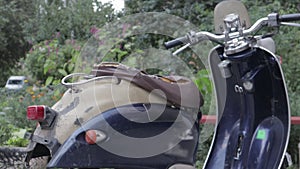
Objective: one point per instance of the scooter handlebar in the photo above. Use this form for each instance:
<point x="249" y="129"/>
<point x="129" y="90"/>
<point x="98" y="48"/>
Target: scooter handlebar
<point x="289" y="17"/>
<point x="176" y="42"/>
<point x="273" y="20"/>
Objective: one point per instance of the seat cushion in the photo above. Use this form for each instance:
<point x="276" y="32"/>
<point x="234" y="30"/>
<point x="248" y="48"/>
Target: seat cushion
<point x="178" y="90"/>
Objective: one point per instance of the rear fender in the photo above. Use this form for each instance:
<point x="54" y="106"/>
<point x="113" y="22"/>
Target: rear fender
<point x="76" y="152"/>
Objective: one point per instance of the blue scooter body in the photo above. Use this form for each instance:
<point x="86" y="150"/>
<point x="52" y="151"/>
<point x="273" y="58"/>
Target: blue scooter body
<point x="76" y="152"/>
<point x="253" y="110"/>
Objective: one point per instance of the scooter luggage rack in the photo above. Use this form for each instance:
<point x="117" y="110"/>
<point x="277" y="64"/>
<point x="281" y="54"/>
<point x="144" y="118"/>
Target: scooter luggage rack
<point x="86" y="76"/>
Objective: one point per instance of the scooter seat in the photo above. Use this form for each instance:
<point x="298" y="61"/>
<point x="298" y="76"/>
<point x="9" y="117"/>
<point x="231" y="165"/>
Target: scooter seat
<point x="178" y="90"/>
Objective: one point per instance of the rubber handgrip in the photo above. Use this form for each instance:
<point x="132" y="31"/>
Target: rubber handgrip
<point x="175" y="42"/>
<point x="289" y="17"/>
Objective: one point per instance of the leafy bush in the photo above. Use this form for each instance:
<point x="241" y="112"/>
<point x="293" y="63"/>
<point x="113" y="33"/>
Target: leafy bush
<point x="5" y="129"/>
<point x="49" y="61"/>
<point x="17" y="138"/>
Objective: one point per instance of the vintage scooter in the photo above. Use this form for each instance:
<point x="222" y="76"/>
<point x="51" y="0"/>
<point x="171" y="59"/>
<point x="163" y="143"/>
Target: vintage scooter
<point x="118" y="117"/>
<point x="121" y="117"/>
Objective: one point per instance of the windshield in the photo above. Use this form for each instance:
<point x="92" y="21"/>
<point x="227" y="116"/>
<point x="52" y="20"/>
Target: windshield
<point x="137" y="42"/>
<point x="15" y="82"/>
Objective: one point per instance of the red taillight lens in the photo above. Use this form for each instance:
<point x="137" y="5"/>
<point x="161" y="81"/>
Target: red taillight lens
<point x="36" y="112"/>
<point x="43" y="114"/>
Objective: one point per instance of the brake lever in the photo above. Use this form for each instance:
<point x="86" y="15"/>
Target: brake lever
<point x="192" y="38"/>
<point x="181" y="49"/>
<point x="290" y="24"/>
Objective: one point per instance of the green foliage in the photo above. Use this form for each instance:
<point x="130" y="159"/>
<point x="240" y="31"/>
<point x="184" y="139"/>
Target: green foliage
<point x="12" y="42"/>
<point x="49" y="61"/>
<point x="197" y="12"/>
<point x="73" y="19"/>
<point x="5" y="129"/>
<point x="21" y="28"/>
<point x="17" y="138"/>
<point x="204" y="84"/>
<point x="17" y="142"/>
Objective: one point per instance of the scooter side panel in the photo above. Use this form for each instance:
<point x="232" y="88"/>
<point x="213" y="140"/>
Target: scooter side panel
<point x="254" y="92"/>
<point x="133" y="144"/>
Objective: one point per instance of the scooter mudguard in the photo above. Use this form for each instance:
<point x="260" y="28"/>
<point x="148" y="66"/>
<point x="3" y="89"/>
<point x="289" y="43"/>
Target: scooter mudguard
<point x="253" y="111"/>
<point x="149" y="139"/>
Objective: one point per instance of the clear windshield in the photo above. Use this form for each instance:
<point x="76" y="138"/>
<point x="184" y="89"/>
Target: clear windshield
<point x="137" y="41"/>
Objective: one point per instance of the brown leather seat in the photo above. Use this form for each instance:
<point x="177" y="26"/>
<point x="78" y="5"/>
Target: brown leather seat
<point x="178" y="90"/>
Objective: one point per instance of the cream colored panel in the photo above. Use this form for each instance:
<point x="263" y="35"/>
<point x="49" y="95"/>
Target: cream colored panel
<point x="93" y="98"/>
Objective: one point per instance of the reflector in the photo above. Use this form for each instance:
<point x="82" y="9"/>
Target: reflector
<point x="90" y="137"/>
<point x="36" y="112"/>
<point x="94" y="136"/>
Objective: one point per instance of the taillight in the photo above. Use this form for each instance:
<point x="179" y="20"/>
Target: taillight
<point x="36" y="112"/>
<point x="94" y="136"/>
<point x="43" y="114"/>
